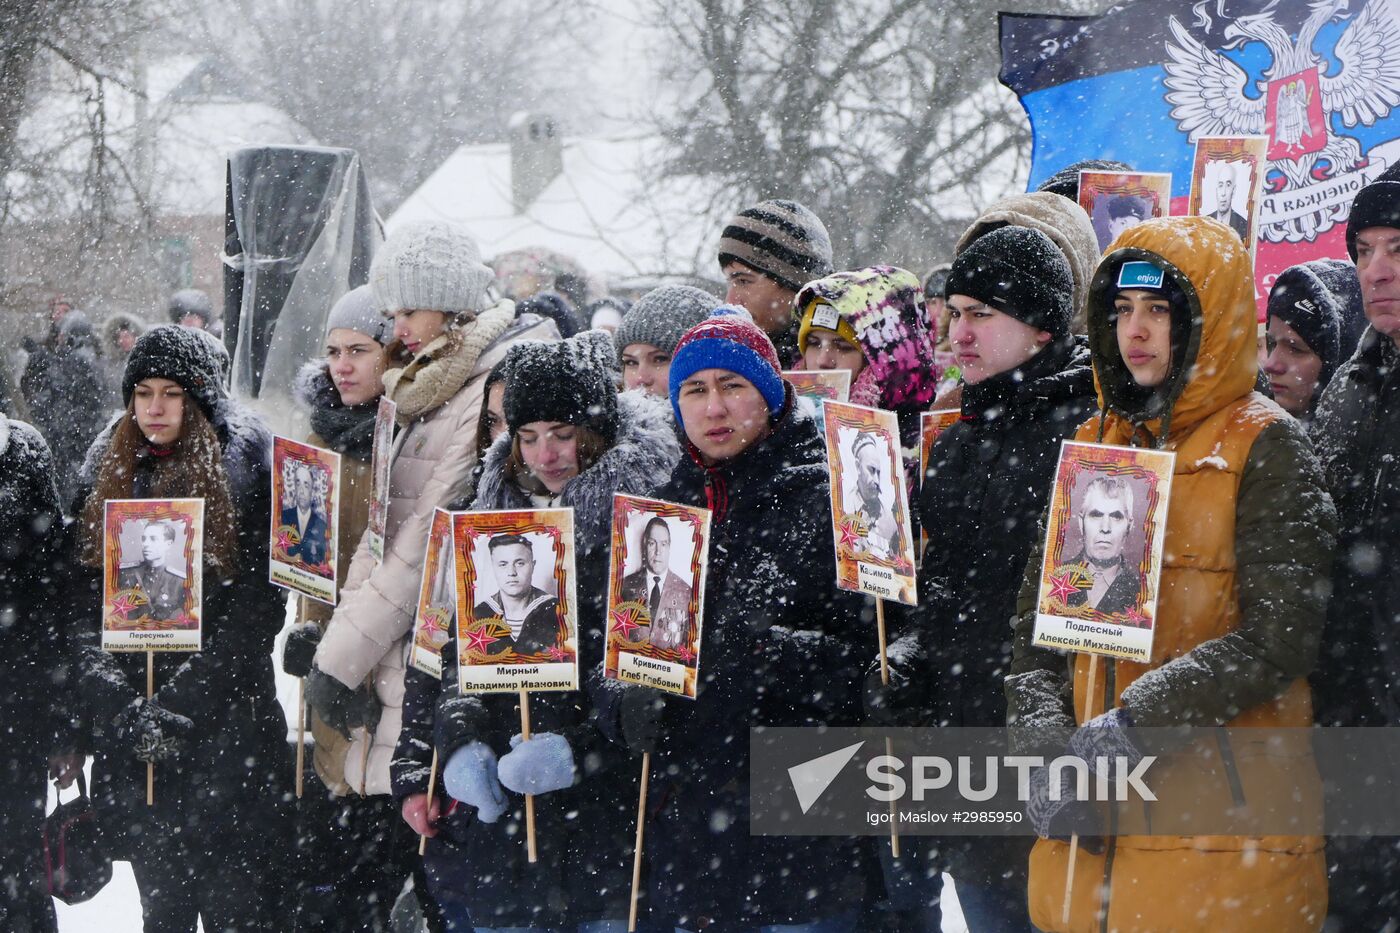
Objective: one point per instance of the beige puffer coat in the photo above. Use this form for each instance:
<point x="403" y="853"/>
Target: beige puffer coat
<point x="439" y="396"/>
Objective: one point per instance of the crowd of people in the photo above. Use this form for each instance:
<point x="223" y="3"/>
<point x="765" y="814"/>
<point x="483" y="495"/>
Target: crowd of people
<point x="1277" y="600"/>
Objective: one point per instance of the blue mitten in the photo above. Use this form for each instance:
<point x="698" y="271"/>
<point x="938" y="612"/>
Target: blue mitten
<point x="470" y="776"/>
<point x="542" y="764"/>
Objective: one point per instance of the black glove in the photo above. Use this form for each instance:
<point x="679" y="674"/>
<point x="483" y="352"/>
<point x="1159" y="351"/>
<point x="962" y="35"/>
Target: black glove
<point x="642" y="711"/>
<point x="460" y="720"/>
<point x="901" y="702"/>
<point x="299" y="650"/>
<point x="338" y="706"/>
<point x="153" y="733"/>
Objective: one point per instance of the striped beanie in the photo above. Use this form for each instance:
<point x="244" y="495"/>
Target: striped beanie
<point x="729" y="339"/>
<point x="782" y="239"/>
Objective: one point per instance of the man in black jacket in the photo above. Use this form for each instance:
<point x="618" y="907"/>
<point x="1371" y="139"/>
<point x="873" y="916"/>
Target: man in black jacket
<point x="1357" y="433"/>
<point x="781" y="647"/>
<point x="1027" y="385"/>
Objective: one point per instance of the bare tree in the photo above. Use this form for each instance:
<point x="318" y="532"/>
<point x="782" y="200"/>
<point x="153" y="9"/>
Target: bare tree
<point x="883" y="115"/>
<point x="405" y="82"/>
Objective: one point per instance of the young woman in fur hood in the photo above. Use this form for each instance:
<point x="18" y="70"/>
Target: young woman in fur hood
<point x="572" y="442"/>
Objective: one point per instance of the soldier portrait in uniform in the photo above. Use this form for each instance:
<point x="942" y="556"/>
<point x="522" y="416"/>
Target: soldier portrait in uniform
<point x="157" y="570"/>
<point x="656" y="585"/>
<point x="529" y="612"/>
<point x="1105" y="520"/>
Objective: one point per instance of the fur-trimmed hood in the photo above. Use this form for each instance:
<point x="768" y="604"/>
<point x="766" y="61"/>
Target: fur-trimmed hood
<point x="117" y="321"/>
<point x="646" y="450"/>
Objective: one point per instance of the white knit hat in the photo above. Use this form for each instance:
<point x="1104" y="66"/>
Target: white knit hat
<point x="429" y="266"/>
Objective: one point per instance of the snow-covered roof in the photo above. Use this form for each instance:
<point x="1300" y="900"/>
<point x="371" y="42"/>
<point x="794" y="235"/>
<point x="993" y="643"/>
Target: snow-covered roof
<point x="602" y="209"/>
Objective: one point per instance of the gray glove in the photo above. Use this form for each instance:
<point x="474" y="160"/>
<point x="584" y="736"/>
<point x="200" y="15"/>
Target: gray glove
<point x="338" y="706"/>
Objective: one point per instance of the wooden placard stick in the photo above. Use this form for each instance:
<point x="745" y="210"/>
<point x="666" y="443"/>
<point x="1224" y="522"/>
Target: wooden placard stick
<point x="889" y="745"/>
<point x="637" y="849"/>
<point x="301" y="733"/>
<point x="427" y="811"/>
<point x="530" y="850"/>
<point x="1074" y="839"/>
<point x="150" y="694"/>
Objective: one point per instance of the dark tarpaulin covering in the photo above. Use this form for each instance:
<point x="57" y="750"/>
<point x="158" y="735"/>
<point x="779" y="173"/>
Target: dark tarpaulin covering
<point x="300" y="231"/>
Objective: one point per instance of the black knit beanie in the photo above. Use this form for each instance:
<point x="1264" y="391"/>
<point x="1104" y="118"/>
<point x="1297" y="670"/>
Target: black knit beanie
<point x="1065" y="182"/>
<point x="1020" y="272"/>
<point x="1303" y="301"/>
<point x="1376" y="205"/>
<point x="573" y="381"/>
<point x="181" y="355"/>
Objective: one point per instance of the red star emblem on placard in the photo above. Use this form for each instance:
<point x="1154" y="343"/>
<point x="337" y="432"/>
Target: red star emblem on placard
<point x="1136" y="618"/>
<point x="1062" y="588"/>
<point x="284" y="541"/>
<point x="478" y="640"/>
<point x="557" y="654"/>
<point x="849" y="536"/>
<point x="686" y="654"/>
<point x="123" y="605"/>
<point x="624" y="622"/>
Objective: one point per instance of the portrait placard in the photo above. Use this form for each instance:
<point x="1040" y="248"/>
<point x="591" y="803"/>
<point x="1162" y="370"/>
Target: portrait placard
<point x="305" y="516"/>
<point x="437" y="597"/>
<point x="931" y="425"/>
<point x="1116" y="201"/>
<point x="381" y="456"/>
<point x="1103" y="550"/>
<point x="1227" y="177"/>
<point x="656" y="593"/>
<point x="869" y="506"/>
<point x="517" y="625"/>
<point x="152" y="574"/>
<point x="820" y="385"/>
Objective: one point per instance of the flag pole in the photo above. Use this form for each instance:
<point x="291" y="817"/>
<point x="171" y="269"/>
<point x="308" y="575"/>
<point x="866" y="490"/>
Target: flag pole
<point x="889" y="744"/>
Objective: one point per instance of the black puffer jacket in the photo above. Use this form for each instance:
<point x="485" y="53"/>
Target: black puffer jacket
<point x="65" y="393"/>
<point x="1357" y="434"/>
<point x="585" y="832"/>
<point x="781" y="646"/>
<point x="33" y="641"/>
<point x="981" y="501"/>
<point x="238" y="764"/>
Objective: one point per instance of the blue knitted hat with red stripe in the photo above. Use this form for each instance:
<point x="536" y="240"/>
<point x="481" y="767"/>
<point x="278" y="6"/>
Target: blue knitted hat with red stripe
<point x="728" y="339"/>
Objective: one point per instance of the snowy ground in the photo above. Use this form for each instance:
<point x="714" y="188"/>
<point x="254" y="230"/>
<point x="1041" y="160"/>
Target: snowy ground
<point x="118" y="909"/>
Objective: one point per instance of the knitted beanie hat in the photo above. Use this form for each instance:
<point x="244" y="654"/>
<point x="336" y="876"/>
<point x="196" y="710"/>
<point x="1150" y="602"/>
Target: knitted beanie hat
<point x="572" y="381"/>
<point x="180" y="355"/>
<point x="782" y="239"/>
<point x="936" y="282"/>
<point x="1020" y="272"/>
<point x="355" y="311"/>
<point x="880" y="309"/>
<point x="190" y="301"/>
<point x="1376" y="205"/>
<point x="663" y="315"/>
<point x="1065" y="182"/>
<point x="1303" y="301"/>
<point x="729" y="339"/>
<point x="429" y="266"/>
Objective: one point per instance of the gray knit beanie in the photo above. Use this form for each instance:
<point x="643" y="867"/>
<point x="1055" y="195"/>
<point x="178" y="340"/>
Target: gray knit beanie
<point x="662" y="315"/>
<point x="429" y="266"/>
<point x="355" y="311"/>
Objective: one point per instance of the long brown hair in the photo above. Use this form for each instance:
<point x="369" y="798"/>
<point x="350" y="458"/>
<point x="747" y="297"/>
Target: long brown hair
<point x="193" y="470"/>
